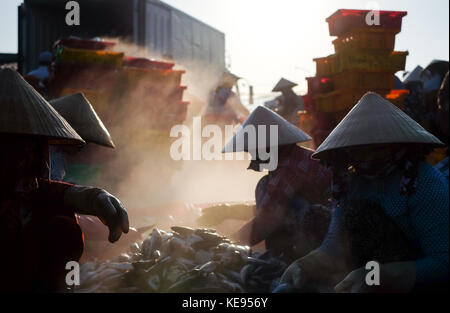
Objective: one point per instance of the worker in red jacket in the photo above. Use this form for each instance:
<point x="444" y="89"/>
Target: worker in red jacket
<point x="296" y="189"/>
<point x="38" y="227"/>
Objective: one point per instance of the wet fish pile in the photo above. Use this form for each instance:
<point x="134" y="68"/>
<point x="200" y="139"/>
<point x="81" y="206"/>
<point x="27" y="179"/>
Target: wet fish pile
<point x="184" y="260"/>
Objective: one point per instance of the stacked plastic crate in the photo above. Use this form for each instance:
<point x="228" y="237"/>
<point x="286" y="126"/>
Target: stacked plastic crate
<point x="86" y="66"/>
<point x="364" y="60"/>
<point x="138" y="99"/>
<point x="157" y="86"/>
<point x="105" y="76"/>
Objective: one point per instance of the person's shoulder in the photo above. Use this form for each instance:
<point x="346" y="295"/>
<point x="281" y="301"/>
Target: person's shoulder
<point x="427" y="173"/>
<point x="431" y="180"/>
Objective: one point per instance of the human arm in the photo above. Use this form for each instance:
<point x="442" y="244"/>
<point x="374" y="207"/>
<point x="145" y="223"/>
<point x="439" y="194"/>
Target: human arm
<point x="100" y="203"/>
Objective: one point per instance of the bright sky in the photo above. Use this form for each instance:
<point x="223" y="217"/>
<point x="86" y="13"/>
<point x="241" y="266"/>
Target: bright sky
<point x="267" y="39"/>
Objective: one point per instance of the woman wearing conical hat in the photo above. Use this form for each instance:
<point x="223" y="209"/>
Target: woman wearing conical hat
<point x="80" y="114"/>
<point x="224" y="105"/>
<point x="295" y="182"/>
<point x="290" y="102"/>
<point x="37" y="216"/>
<point x="377" y="154"/>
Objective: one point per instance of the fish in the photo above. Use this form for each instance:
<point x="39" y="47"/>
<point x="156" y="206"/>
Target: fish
<point x="184" y="259"/>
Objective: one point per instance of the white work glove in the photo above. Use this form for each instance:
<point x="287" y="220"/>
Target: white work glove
<point x="100" y="203"/>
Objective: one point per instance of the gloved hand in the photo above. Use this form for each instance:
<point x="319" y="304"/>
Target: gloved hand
<point x="100" y="203"/>
<point x="394" y="277"/>
<point x="314" y="272"/>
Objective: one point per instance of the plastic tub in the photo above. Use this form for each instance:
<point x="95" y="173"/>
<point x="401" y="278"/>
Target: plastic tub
<point x="344" y="20"/>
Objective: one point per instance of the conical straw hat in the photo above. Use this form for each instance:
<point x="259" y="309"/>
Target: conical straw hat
<point x="23" y="111"/>
<point x="287" y="133"/>
<point x="374" y="120"/>
<point x="80" y="114"/>
<point x="414" y="75"/>
<point x="283" y="84"/>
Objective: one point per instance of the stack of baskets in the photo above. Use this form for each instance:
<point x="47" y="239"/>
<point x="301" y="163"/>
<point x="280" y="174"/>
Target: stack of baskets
<point x="364" y="60"/>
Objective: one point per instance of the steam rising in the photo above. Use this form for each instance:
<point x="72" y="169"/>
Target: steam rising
<point x="140" y="171"/>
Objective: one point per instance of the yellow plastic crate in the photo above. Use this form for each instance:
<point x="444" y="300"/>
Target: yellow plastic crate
<point x="98" y="57"/>
<point x="324" y="66"/>
<point x="98" y="98"/>
<point x="394" y="61"/>
<point x="364" y="79"/>
<point x="341" y="100"/>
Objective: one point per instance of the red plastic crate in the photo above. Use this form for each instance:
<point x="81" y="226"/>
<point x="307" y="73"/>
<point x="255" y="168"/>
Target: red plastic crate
<point x="320" y="84"/>
<point x="146" y="63"/>
<point x="85" y="44"/>
<point x="344" y="20"/>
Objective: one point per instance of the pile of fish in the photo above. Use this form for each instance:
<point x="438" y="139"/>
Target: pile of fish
<point x="184" y="260"/>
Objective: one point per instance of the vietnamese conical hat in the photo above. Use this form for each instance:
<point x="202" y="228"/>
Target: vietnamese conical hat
<point x="23" y="111"/>
<point x="80" y="114"/>
<point x="414" y="75"/>
<point x="287" y="133"/>
<point x="283" y="84"/>
<point x="374" y="120"/>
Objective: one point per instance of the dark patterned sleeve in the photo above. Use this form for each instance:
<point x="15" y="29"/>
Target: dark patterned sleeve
<point x="53" y="193"/>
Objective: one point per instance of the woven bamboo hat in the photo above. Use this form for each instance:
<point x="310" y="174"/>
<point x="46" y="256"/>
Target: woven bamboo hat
<point x="283" y="84"/>
<point x="374" y="120"/>
<point x="80" y="114"/>
<point x="23" y="111"/>
<point x="287" y="133"/>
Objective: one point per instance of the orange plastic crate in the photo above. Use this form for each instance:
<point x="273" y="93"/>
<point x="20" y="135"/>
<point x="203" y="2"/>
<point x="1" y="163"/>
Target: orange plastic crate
<point x="397" y="97"/>
<point x="363" y="40"/>
<point x="153" y="76"/>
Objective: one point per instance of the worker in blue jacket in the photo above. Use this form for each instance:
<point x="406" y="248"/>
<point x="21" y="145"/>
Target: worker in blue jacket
<point x="377" y="153"/>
